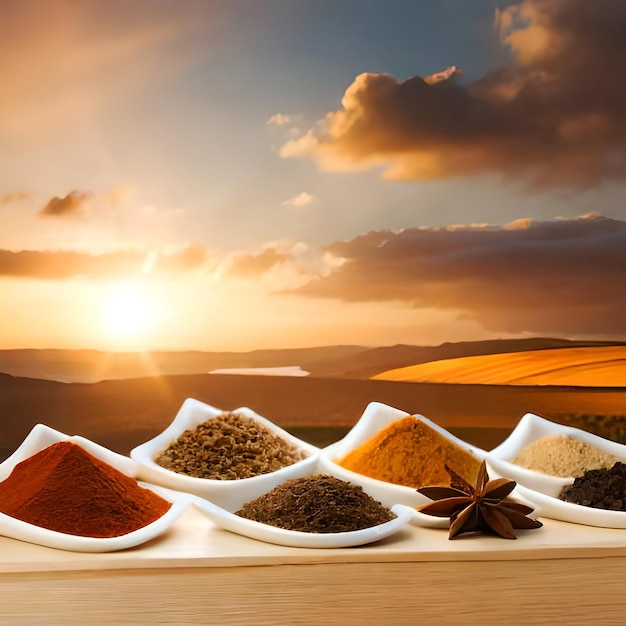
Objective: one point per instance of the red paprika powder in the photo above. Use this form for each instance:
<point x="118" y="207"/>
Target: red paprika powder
<point x="64" y="488"/>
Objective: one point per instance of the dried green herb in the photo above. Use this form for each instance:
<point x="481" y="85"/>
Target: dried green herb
<point x="317" y="504"/>
<point x="484" y="508"/>
<point x="229" y="446"/>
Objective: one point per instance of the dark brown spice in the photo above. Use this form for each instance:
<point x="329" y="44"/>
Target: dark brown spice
<point x="229" y="446"/>
<point x="317" y="504"/>
<point x="599" y="489"/>
<point x="483" y="508"/>
<point x="66" y="489"/>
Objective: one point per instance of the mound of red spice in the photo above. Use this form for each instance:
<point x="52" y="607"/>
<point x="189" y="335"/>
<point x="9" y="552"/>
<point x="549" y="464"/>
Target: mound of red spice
<point x="66" y="489"/>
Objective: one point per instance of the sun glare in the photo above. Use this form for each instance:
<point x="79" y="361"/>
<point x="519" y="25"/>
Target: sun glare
<point x="129" y="313"/>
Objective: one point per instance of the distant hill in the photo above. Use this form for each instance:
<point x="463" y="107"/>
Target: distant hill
<point x="376" y="360"/>
<point x="137" y="395"/>
<point x="597" y="366"/>
<point x="347" y="361"/>
<point x="121" y="414"/>
<point x="93" y="365"/>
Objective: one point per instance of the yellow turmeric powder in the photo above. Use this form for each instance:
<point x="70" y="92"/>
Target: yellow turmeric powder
<point x="409" y="452"/>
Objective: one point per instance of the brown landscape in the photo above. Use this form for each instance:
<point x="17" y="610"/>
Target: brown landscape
<point x="343" y="361"/>
<point x="122" y="413"/>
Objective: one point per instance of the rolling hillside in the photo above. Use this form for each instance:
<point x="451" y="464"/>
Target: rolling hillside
<point x="120" y="414"/>
<point x="580" y="366"/>
<point x="123" y="412"/>
<point x="88" y="366"/>
<point x="375" y="360"/>
<point x="360" y="362"/>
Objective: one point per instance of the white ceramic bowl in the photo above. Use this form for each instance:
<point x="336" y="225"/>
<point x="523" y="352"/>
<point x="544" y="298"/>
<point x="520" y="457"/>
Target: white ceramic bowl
<point x="529" y="429"/>
<point x="541" y="490"/>
<point x="375" y="417"/>
<point x="222" y="492"/>
<point x="41" y="437"/>
<point x="546" y="503"/>
<point x="225" y="518"/>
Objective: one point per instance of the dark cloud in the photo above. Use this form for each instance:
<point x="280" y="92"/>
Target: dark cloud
<point x="557" y="277"/>
<point x="64" y="264"/>
<point x="554" y="117"/>
<point x="71" y="205"/>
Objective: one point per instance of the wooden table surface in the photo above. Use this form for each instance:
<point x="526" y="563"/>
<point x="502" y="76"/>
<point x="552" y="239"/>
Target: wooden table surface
<point x="199" y="574"/>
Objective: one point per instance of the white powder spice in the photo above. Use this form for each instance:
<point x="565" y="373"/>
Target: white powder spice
<point x="563" y="456"/>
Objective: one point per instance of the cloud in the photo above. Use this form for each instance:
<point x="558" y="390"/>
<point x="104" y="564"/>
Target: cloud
<point x="65" y="264"/>
<point x="62" y="264"/>
<point x="278" y="267"/>
<point x="14" y="196"/>
<point x="186" y="259"/>
<point x="553" y="117"/>
<point x="255" y="264"/>
<point x="302" y="199"/>
<point x="73" y="204"/>
<point x="279" y="119"/>
<point x="560" y="277"/>
<point x="84" y="203"/>
<point x="119" y="195"/>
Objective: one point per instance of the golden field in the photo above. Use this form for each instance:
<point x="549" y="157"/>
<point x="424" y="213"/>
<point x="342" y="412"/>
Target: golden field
<point x="580" y="366"/>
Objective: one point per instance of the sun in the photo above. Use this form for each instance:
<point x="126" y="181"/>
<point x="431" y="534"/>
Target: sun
<point x="129" y="313"/>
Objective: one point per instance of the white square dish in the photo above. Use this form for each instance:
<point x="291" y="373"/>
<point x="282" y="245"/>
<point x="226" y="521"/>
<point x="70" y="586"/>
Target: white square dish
<point x="528" y="430"/>
<point x="542" y="490"/>
<point x="227" y="519"/>
<point x="39" y="438"/>
<point x="221" y="492"/>
<point x="376" y="417"/>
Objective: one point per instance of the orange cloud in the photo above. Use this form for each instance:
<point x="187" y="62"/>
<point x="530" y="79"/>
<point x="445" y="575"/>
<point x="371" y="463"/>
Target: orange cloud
<point x="72" y="204"/>
<point x="14" y="196"/>
<point x="186" y="259"/>
<point x="250" y="265"/>
<point x="555" y="277"/>
<point x="64" y="264"/>
<point x="554" y="117"/>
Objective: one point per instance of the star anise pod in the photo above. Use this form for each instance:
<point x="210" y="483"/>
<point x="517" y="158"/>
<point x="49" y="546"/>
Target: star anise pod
<point x="483" y="508"/>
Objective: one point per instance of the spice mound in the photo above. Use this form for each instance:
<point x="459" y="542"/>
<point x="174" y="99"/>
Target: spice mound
<point x="409" y="452"/>
<point x="66" y="489"/>
<point x="599" y="489"/>
<point x="229" y="446"/>
<point x="317" y="504"/>
<point x="483" y="508"/>
<point x="563" y="456"/>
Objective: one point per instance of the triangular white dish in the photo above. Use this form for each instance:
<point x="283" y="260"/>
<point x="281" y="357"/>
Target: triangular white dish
<point x="42" y="436"/>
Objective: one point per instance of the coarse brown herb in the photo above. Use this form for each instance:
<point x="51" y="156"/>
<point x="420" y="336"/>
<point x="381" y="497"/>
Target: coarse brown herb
<point x="317" y="504"/>
<point x="484" y="508"/>
<point x="599" y="489"/>
<point x="229" y="446"/>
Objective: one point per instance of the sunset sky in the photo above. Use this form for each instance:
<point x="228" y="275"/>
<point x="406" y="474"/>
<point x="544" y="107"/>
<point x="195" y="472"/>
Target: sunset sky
<point x="242" y="174"/>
